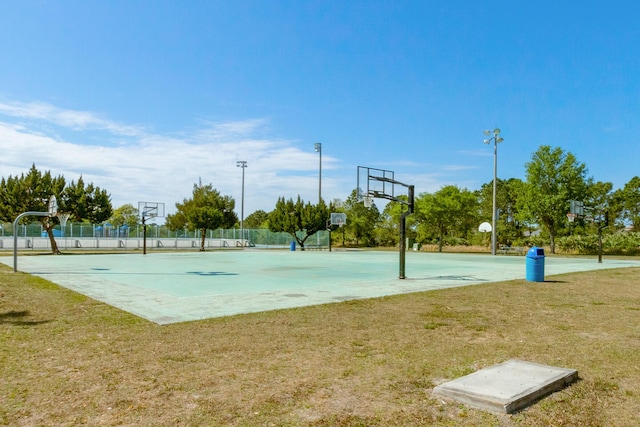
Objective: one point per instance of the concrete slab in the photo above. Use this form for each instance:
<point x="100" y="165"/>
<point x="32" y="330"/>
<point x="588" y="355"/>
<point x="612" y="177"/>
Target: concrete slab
<point x="507" y="387"/>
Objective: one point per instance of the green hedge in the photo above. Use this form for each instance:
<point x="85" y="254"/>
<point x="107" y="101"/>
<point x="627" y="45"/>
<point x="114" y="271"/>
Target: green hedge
<point x="612" y="244"/>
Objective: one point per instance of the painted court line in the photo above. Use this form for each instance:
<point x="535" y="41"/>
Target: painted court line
<point x="174" y="287"/>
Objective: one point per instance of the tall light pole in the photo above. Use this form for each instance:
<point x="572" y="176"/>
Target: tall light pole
<point x="496" y="140"/>
<point x="318" y="147"/>
<point x="242" y="164"/>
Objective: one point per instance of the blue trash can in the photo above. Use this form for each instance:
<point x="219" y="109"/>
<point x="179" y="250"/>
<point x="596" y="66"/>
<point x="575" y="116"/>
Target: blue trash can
<point x="535" y="265"/>
<point x="292" y="246"/>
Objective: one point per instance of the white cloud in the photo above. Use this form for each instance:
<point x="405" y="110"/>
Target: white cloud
<point x="161" y="168"/>
<point x="148" y="166"/>
<point x="71" y="119"/>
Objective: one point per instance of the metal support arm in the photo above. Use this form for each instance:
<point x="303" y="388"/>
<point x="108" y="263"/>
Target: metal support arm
<point x="15" y="234"/>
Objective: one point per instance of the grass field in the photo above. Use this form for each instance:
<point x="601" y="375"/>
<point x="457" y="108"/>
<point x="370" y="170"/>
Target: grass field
<point x="66" y="359"/>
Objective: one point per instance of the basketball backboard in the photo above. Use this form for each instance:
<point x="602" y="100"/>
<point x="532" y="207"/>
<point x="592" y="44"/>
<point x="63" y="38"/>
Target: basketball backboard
<point x="576" y="207"/>
<point x="53" y="206"/>
<point x="150" y="209"/>
<point x="375" y="182"/>
<point x="338" y="218"/>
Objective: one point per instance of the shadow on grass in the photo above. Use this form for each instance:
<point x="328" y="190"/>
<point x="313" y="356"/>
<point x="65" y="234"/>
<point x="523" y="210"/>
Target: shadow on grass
<point x="567" y="387"/>
<point x="15" y="318"/>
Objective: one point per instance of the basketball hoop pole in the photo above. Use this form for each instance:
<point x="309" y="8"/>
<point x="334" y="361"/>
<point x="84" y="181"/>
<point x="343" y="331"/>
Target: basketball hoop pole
<point x="387" y="177"/>
<point x="151" y="210"/>
<point x="403" y="232"/>
<point x="53" y="210"/>
<point x="144" y="235"/>
<point x="403" y="217"/>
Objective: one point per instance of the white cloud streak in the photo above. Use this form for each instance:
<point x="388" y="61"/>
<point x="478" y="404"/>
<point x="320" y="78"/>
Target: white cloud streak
<point x="154" y="167"/>
<point x="148" y="166"/>
<point x="71" y="119"/>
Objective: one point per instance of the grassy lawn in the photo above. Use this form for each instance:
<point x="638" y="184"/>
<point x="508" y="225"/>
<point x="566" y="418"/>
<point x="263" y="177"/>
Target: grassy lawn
<point x="66" y="359"/>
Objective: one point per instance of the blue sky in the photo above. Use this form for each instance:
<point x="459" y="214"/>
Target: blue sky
<point x="144" y="98"/>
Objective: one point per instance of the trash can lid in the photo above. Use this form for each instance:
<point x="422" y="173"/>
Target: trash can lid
<point x="535" y="252"/>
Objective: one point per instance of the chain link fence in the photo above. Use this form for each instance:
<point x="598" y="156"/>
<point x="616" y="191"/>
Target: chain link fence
<point x="83" y="235"/>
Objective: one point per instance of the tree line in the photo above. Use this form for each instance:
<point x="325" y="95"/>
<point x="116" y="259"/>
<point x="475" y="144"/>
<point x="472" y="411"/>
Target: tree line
<point x="533" y="211"/>
<point x="31" y="192"/>
<point x="530" y="211"/>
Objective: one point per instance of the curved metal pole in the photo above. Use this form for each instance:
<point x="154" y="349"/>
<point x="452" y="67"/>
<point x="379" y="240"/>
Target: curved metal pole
<point x="15" y="235"/>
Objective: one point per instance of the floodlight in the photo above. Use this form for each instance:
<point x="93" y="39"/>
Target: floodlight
<point x="496" y="131"/>
<point x="486" y="141"/>
<point x="499" y="140"/>
<point x="487" y="132"/>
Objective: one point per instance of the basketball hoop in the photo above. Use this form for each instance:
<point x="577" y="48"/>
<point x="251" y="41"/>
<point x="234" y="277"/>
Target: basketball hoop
<point x="338" y="218"/>
<point x="571" y="217"/>
<point x="63" y="217"/>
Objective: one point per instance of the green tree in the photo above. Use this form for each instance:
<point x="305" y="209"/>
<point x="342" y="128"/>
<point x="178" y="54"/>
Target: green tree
<point x="388" y="227"/>
<point x="448" y="212"/>
<point x="86" y="202"/>
<point x="597" y="206"/>
<point x="554" y="177"/>
<point x="361" y="221"/>
<point x="599" y="195"/>
<point x="12" y="192"/>
<point x="125" y="215"/>
<point x="206" y="210"/>
<point x="31" y="193"/>
<point x="298" y="219"/>
<point x="258" y="219"/>
<point x="509" y="227"/>
<point x="627" y="203"/>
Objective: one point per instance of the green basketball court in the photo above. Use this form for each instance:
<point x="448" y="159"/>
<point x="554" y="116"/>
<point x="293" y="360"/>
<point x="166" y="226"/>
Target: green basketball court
<point x="182" y="286"/>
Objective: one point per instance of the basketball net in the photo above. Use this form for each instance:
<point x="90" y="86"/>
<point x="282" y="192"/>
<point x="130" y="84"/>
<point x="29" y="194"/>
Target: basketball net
<point x="571" y="217"/>
<point x="63" y="217"/>
<point x="368" y="201"/>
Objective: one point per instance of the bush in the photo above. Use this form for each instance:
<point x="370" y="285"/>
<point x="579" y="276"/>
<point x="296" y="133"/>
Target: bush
<point x="532" y="241"/>
<point x="622" y="244"/>
<point x="455" y="241"/>
<point x="612" y="244"/>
